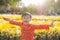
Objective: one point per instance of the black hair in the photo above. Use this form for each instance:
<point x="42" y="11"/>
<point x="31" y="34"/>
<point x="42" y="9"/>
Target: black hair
<point x="26" y="13"/>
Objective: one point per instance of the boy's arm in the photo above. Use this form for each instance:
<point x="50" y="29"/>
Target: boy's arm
<point x="52" y="23"/>
<point x="12" y="22"/>
<point x="43" y="26"/>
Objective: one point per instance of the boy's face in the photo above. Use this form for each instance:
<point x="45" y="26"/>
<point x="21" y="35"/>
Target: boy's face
<point x="26" y="18"/>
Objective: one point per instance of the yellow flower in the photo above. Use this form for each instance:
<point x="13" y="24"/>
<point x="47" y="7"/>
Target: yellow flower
<point x="57" y="24"/>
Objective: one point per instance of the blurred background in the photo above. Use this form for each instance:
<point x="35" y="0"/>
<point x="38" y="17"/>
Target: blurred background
<point x="38" y="7"/>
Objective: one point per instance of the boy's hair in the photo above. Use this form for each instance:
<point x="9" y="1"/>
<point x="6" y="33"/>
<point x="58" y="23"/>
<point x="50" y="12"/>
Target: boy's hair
<point x="26" y="13"/>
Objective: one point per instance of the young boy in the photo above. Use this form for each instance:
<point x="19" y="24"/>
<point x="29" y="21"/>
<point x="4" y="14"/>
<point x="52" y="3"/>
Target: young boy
<point x="26" y="28"/>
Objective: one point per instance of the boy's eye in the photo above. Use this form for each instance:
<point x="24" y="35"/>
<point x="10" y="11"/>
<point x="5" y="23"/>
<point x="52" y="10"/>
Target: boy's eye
<point x="24" y="17"/>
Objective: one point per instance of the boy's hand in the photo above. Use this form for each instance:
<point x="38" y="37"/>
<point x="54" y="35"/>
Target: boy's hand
<point x="7" y="19"/>
<point x="52" y="23"/>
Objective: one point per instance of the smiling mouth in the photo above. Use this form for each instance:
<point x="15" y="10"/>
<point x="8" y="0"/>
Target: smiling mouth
<point x="26" y="21"/>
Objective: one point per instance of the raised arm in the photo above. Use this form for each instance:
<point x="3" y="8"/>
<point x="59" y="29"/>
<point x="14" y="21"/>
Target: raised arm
<point x="52" y="23"/>
<point x="12" y="22"/>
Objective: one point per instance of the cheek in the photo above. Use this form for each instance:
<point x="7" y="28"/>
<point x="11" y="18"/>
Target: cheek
<point x="29" y="19"/>
<point x="25" y="19"/>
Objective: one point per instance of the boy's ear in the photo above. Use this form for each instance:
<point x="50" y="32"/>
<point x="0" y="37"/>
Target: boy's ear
<point x="21" y="17"/>
<point x="30" y="19"/>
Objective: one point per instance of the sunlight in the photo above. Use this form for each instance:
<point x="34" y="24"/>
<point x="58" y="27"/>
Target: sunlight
<point x="35" y="2"/>
<point x="56" y="0"/>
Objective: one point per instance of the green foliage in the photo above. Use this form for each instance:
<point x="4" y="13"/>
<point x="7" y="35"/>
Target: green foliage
<point x="5" y="2"/>
<point x="31" y="8"/>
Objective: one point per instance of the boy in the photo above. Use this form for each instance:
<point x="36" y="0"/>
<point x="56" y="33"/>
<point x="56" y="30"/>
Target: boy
<point x="26" y="28"/>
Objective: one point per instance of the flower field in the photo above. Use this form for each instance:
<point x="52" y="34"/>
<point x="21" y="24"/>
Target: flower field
<point x="12" y="32"/>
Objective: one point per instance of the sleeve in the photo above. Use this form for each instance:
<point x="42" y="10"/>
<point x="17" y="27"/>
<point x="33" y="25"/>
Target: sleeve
<point x="41" y="26"/>
<point x="15" y="23"/>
